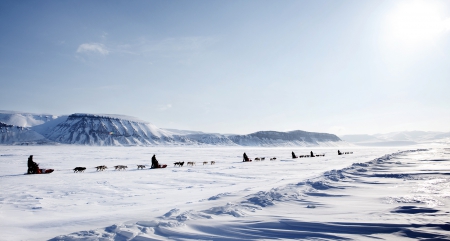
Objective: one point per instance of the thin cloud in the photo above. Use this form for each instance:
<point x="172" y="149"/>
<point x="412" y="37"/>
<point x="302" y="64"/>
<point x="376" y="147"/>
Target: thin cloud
<point x="93" y="48"/>
<point x="104" y="35"/>
<point x="165" y="107"/>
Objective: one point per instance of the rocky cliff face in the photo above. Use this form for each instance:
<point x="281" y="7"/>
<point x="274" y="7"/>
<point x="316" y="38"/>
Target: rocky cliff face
<point x="104" y="130"/>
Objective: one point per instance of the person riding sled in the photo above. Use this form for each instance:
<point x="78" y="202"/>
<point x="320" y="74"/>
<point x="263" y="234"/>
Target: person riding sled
<point x="246" y="159"/>
<point x="155" y="163"/>
<point x="33" y="167"/>
<point x="294" y="156"/>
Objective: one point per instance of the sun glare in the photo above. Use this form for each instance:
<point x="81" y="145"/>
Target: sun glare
<point x="413" y="23"/>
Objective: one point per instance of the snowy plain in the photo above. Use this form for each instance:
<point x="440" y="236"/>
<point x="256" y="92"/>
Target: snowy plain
<point x="389" y="193"/>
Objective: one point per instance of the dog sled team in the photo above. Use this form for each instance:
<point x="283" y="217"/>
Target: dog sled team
<point x="180" y="164"/>
<point x="306" y="156"/>
<point x="257" y="159"/>
<point x="33" y="167"/>
<point x="312" y="154"/>
<point x="344" y="153"/>
<point x="155" y="164"/>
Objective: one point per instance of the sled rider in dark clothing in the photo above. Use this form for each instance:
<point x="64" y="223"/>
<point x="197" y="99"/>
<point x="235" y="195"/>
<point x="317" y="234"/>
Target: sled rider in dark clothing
<point x="246" y="158"/>
<point x="154" y="162"/>
<point x="293" y="155"/>
<point x="312" y="154"/>
<point x="33" y="167"/>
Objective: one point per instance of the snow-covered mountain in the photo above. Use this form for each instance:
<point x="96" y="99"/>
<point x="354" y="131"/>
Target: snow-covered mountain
<point x="24" y="119"/>
<point x="109" y="130"/>
<point x="292" y="138"/>
<point x="11" y="134"/>
<point x="208" y="139"/>
<point x="119" y="130"/>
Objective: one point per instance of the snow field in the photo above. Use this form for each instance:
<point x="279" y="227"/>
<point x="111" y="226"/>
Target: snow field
<point x="230" y="200"/>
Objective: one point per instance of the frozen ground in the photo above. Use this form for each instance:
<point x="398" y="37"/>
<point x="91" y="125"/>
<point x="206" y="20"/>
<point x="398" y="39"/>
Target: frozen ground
<point x="376" y="193"/>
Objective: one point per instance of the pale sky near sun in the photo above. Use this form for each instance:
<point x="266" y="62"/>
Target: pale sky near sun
<point x="342" y="67"/>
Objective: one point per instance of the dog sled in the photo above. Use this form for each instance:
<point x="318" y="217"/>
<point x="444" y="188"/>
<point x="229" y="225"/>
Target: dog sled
<point x="155" y="163"/>
<point x="42" y="171"/>
<point x="246" y="159"/>
<point x="159" y="166"/>
<point x="33" y="167"/>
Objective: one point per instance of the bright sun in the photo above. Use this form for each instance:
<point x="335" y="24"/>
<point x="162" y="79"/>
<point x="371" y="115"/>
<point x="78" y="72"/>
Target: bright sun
<point x="413" y="23"/>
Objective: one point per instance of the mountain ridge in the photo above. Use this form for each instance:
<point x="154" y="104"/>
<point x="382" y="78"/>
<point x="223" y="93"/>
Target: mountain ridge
<point x="120" y="130"/>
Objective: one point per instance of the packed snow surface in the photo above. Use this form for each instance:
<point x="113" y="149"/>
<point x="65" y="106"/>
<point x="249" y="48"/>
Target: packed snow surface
<point x="400" y="193"/>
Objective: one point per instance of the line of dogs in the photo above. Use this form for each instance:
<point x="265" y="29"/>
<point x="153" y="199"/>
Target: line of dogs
<point x="180" y="164"/>
<point x="257" y="159"/>
<point x="103" y="167"/>
<point x="345" y="153"/>
<point x="142" y="167"/>
<point x="306" y="156"/>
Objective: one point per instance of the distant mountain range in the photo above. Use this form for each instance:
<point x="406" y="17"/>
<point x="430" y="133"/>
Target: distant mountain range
<point x="118" y="130"/>
<point x="398" y="138"/>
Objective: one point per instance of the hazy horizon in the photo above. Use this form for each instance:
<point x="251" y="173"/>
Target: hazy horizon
<point x="341" y="67"/>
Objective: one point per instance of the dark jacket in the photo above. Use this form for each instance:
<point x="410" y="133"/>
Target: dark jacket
<point x="293" y="155"/>
<point x="32" y="166"/>
<point x="245" y="158"/>
<point x="154" y="162"/>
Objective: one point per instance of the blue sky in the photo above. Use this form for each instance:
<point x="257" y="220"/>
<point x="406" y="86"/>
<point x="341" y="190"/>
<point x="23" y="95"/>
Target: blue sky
<point x="343" y="67"/>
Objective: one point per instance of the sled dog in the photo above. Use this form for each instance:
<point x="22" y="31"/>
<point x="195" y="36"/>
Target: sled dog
<point x="79" y="169"/>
